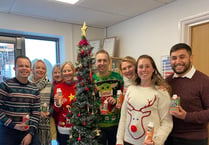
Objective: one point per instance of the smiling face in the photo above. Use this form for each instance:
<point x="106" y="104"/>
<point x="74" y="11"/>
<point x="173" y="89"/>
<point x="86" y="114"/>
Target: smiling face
<point x="22" y="69"/>
<point x="67" y="73"/>
<point x="145" y="71"/>
<point x="128" y="69"/>
<point x="102" y="63"/>
<point x="56" y="74"/>
<point x="181" y="62"/>
<point x="39" y="70"/>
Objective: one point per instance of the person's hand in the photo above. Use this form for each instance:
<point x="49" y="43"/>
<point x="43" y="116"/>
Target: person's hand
<point x="21" y="127"/>
<point x="26" y="140"/>
<point x="145" y="142"/>
<point x="118" y="105"/>
<point x="44" y="114"/>
<point x="181" y="114"/>
<point x="111" y="100"/>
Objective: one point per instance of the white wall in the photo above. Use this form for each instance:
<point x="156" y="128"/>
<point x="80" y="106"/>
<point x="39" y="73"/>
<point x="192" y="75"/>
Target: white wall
<point x="155" y="32"/>
<point x="69" y="34"/>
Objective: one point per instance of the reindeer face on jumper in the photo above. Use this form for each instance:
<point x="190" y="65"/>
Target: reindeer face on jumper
<point x="136" y="128"/>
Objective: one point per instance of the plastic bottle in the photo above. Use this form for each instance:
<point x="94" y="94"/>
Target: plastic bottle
<point x="175" y="102"/>
<point x="25" y="119"/>
<point x="44" y="107"/>
<point x="149" y="132"/>
<point x="59" y="91"/>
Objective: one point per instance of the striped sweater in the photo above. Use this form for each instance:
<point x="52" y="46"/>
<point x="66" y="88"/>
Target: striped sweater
<point x="17" y="100"/>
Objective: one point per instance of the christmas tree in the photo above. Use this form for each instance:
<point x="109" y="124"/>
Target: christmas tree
<point x="84" y="108"/>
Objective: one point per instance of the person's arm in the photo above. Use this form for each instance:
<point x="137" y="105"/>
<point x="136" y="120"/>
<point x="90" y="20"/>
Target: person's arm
<point x="35" y="114"/>
<point x="3" y="117"/>
<point x="122" y="123"/>
<point x="166" y="122"/>
<point x="200" y="116"/>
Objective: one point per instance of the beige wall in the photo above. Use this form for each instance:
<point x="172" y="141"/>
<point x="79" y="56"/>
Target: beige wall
<point x="156" y="31"/>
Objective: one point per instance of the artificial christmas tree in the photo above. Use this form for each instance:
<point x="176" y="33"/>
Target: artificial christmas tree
<point x="84" y="108"/>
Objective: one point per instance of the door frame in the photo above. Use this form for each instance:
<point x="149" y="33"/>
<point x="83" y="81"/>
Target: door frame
<point x="186" y="24"/>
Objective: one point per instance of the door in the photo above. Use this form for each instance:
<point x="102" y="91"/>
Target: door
<point x="200" y="48"/>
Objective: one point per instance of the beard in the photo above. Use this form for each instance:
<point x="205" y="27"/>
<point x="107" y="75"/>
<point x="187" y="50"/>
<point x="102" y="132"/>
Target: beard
<point x="186" y="68"/>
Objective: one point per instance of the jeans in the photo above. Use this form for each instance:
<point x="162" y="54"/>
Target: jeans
<point x="108" y="135"/>
<point x="180" y="141"/>
<point x="10" y="136"/>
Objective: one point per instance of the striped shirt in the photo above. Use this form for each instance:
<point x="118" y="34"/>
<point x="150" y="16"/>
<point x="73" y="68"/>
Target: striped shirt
<point x="17" y="100"/>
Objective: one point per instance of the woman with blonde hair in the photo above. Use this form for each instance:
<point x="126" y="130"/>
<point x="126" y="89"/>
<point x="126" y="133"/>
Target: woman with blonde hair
<point x="62" y="106"/>
<point x="40" y="79"/>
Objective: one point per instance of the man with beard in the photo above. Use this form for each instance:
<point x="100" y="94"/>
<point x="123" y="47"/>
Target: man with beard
<point x="190" y="122"/>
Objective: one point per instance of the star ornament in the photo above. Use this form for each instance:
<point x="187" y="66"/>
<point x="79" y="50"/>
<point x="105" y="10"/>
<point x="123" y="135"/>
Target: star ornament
<point x="83" y="29"/>
<point x="71" y="97"/>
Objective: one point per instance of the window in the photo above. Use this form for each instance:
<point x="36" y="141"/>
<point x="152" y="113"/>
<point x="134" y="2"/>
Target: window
<point x="34" y="47"/>
<point x="42" y="49"/>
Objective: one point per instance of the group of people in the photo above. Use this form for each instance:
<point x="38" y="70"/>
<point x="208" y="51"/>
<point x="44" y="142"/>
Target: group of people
<point x="147" y="98"/>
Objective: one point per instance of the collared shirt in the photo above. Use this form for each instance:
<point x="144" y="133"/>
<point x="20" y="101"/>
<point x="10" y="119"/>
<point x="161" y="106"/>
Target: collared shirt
<point x="187" y="75"/>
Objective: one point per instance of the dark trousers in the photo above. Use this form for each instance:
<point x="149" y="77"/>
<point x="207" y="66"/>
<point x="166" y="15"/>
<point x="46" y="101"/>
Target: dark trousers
<point x="108" y="135"/>
<point x="180" y="141"/>
<point x="14" y="137"/>
<point x="62" y="139"/>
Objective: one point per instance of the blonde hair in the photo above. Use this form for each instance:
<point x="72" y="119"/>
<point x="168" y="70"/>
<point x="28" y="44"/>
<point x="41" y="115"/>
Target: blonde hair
<point x="54" y="67"/>
<point x="128" y="59"/>
<point x="37" y="61"/>
<point x="70" y="64"/>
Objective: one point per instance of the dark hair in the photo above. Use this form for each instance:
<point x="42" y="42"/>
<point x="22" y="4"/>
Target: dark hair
<point x="104" y="52"/>
<point x="179" y="46"/>
<point x="156" y="79"/>
<point x="21" y="56"/>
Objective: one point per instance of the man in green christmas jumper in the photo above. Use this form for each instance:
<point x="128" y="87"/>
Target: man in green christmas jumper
<point x="107" y="83"/>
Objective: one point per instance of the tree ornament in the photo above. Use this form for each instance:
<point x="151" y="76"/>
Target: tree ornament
<point x="79" y="114"/>
<point x="84" y="123"/>
<point x="79" y="137"/>
<point x="86" y="88"/>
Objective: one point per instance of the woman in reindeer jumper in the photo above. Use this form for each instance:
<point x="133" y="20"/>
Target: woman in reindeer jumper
<point x="63" y="107"/>
<point x="144" y="103"/>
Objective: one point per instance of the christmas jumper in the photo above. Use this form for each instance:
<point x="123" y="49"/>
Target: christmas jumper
<point x="17" y="100"/>
<point x="194" y="98"/>
<point x="107" y="87"/>
<point x="141" y="106"/>
<point x="68" y="93"/>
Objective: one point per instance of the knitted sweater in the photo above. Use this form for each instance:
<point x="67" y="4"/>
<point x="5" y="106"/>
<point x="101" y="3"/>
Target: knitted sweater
<point x="68" y="93"/>
<point x="44" y="124"/>
<point x="194" y="96"/>
<point x="17" y="100"/>
<point x="141" y="106"/>
<point x="107" y="87"/>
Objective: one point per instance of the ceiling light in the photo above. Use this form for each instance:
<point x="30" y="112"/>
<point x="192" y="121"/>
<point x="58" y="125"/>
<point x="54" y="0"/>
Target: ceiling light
<point x="68" y="1"/>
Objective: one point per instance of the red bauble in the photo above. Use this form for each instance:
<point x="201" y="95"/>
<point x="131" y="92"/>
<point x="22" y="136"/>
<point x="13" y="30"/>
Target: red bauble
<point x="79" y="139"/>
<point x="79" y="114"/>
<point x="84" y="123"/>
<point x="86" y="88"/>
